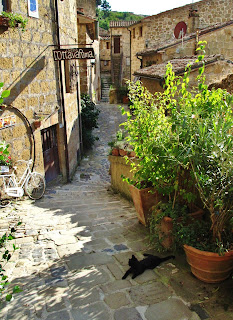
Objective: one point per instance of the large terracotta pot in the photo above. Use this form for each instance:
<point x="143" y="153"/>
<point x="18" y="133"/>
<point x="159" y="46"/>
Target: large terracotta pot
<point x="208" y="266"/>
<point x="167" y="226"/>
<point x="122" y="152"/>
<point x="144" y="200"/>
<point x="115" y="152"/>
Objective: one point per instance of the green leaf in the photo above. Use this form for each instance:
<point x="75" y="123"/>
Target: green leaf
<point x="17" y="289"/>
<point x="9" y="297"/>
<point x="5" y="93"/>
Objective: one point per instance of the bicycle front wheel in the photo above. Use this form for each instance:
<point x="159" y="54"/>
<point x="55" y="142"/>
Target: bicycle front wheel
<point x="4" y="203"/>
<point x="35" y="186"/>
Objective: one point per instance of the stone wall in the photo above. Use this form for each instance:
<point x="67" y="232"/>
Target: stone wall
<point x="29" y="71"/>
<point x="124" y="50"/>
<point x="219" y="41"/>
<point x="159" y="29"/>
<point x="105" y="55"/>
<point x="88" y="7"/>
<point x="161" y="26"/>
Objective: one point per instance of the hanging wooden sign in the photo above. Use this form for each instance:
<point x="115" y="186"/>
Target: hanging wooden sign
<point x="74" y="53"/>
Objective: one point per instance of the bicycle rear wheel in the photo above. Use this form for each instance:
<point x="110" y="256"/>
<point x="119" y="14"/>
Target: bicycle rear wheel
<point x="35" y="186"/>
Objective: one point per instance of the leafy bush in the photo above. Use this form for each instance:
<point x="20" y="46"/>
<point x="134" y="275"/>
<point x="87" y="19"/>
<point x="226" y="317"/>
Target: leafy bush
<point x="6" y="256"/>
<point x="89" y="115"/>
<point x="186" y="130"/>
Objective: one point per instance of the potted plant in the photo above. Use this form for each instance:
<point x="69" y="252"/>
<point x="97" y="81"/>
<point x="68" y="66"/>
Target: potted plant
<point x="12" y="20"/>
<point x="166" y="220"/>
<point x="122" y="94"/>
<point x="204" y="119"/>
<point x="157" y="176"/>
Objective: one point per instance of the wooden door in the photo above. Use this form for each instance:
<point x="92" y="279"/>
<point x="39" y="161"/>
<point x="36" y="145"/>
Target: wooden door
<point x="50" y="153"/>
<point x="116" y="44"/>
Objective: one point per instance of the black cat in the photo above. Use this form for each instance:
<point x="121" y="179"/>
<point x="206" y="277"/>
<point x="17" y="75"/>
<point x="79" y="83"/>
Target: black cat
<point x="138" y="267"/>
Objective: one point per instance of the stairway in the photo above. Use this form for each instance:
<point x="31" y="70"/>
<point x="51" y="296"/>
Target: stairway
<point x="105" y="86"/>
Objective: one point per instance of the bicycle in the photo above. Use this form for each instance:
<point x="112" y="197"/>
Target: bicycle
<point x="31" y="183"/>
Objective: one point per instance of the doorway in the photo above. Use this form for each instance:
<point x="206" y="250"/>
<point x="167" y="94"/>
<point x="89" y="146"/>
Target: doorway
<point x="50" y="153"/>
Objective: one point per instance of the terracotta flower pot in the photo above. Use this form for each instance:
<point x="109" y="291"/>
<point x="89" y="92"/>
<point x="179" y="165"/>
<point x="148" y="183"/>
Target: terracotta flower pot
<point x="122" y="152"/>
<point x="144" y="200"/>
<point x="131" y="154"/>
<point x="37" y="124"/>
<point x="208" y="266"/>
<point x="115" y="152"/>
<point x="125" y="100"/>
<point x="167" y="226"/>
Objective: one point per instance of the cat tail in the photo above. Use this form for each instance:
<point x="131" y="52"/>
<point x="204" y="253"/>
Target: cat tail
<point x="168" y="257"/>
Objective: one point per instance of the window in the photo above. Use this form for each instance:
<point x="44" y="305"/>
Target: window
<point x="116" y="44"/>
<point x="107" y="45"/>
<point x="133" y="32"/>
<point x="33" y="8"/>
<point x="140" y="31"/>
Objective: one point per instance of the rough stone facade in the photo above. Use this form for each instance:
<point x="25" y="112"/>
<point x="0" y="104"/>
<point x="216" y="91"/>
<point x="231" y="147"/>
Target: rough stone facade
<point x="88" y="37"/>
<point x="38" y="88"/>
<point x="160" y="28"/>
<point x="218" y="38"/>
<point x="120" y="59"/>
<point x="105" y="51"/>
<point x="88" y="7"/>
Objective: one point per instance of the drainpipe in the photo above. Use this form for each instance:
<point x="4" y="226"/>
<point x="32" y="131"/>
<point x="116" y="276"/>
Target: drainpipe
<point x="112" y="77"/>
<point x="140" y="62"/>
<point x="62" y="95"/>
<point x="130" y="53"/>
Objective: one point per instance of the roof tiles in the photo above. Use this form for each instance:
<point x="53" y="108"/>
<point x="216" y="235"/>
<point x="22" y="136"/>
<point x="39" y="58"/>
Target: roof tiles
<point x="120" y="24"/>
<point x="158" y="71"/>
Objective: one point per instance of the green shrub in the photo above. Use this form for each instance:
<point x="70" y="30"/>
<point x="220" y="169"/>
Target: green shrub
<point x="89" y="115"/>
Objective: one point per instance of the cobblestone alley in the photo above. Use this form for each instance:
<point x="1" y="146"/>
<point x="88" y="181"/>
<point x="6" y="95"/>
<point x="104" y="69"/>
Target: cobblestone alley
<point x="74" y="247"/>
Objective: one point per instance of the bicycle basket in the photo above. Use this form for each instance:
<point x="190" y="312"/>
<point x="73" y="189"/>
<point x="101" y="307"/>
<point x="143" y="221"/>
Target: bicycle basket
<point x="16" y="192"/>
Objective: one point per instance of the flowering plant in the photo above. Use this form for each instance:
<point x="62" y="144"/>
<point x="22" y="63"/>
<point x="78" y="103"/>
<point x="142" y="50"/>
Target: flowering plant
<point x="5" y="158"/>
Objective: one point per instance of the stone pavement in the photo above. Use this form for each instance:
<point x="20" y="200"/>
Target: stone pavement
<point x="74" y="245"/>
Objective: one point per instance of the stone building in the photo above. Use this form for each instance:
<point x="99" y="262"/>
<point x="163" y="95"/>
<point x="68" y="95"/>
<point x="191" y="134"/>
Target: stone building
<point x="161" y="30"/>
<point x="105" y="51"/>
<point x="41" y="88"/>
<point x="88" y="35"/>
<point x="219" y="43"/>
<point x="216" y="70"/>
<point x="120" y="51"/>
